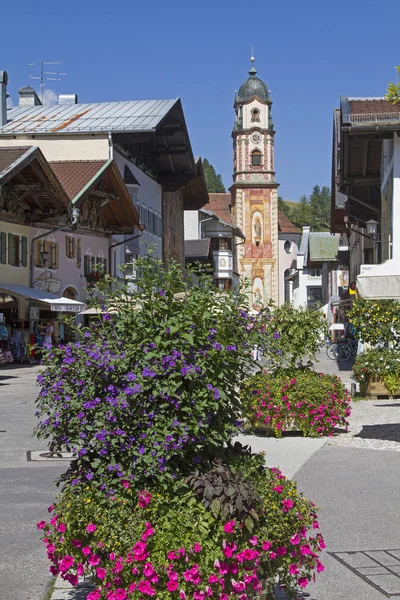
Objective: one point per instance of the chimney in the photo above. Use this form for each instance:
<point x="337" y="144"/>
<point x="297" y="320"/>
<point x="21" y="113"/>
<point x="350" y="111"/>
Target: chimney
<point x="28" y="97"/>
<point x="3" y="98"/>
<point x="68" y="99"/>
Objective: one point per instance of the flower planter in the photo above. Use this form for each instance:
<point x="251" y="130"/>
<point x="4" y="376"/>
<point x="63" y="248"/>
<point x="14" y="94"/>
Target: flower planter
<point x="376" y="388"/>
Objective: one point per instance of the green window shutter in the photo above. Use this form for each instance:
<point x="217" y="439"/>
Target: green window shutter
<point x="24" y="251"/>
<point x="11" y="250"/>
<point x="3" y="248"/>
<point x="86" y="265"/>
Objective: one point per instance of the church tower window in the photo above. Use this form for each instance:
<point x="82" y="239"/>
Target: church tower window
<point x="256" y="158"/>
<point x="255" y="115"/>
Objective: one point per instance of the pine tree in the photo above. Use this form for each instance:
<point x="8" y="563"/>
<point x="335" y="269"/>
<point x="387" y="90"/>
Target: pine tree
<point x="282" y="206"/>
<point x="213" y="181"/>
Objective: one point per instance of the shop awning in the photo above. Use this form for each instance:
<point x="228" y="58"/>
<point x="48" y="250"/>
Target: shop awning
<point x="382" y="282"/>
<point x="56" y="303"/>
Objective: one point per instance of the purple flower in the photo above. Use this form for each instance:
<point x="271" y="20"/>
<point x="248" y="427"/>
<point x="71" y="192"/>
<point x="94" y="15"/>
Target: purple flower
<point x="217" y="395"/>
<point x="276" y="336"/>
<point x="148" y="372"/>
<point x="87" y="334"/>
<point x="231" y="348"/>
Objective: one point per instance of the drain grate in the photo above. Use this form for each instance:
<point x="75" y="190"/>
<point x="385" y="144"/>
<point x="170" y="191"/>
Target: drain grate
<point x="47" y="456"/>
<point x="379" y="568"/>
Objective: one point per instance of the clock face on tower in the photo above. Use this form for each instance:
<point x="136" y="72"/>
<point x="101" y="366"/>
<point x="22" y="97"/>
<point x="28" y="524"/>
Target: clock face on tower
<point x="256" y="137"/>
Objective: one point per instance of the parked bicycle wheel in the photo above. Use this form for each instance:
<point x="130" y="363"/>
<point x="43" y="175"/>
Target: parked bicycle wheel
<point x="343" y="351"/>
<point x="331" y="350"/>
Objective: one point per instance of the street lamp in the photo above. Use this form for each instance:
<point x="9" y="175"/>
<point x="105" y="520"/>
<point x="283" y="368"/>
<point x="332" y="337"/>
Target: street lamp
<point x="372" y="227"/>
<point x="372" y="230"/>
<point x="44" y="255"/>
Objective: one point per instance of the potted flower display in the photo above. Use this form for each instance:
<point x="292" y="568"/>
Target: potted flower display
<point x="158" y="501"/>
<point x="378" y="371"/>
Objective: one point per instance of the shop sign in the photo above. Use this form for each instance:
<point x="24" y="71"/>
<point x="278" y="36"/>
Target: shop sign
<point x="366" y="268"/>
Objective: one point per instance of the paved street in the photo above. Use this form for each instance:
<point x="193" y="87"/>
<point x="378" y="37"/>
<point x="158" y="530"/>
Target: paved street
<point x="25" y="490"/>
<point x="354" y="478"/>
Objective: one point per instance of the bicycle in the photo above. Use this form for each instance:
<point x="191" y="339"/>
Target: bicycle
<point x="340" y="350"/>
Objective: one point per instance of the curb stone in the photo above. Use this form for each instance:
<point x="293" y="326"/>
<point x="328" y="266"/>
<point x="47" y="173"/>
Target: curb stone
<point x="65" y="591"/>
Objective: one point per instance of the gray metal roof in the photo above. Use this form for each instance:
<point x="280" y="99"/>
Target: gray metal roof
<point x="135" y="115"/>
<point x="199" y="249"/>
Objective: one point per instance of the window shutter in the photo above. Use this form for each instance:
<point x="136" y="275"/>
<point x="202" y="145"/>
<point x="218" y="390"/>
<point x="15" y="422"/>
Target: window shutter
<point x="104" y="266"/>
<point x="86" y="264"/>
<point x="3" y="248"/>
<point x="67" y="253"/>
<point x="24" y="251"/>
<point x="56" y="257"/>
<point x="37" y="253"/>
<point x="73" y="248"/>
<point x="11" y="249"/>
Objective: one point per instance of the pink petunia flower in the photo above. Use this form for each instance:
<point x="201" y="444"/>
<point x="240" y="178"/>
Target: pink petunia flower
<point x="80" y="569"/>
<point x="266" y="545"/>
<point x="280" y="551"/>
<point x="172" y="585"/>
<point x="145" y="588"/>
<point x="41" y="524"/>
<point x="101" y="573"/>
<point x="66" y="563"/>
<point x="253" y="540"/>
<point x="287" y="504"/>
<point x="94" y="560"/>
<point x="229" y="527"/>
<point x="303" y="582"/>
<point x="144" y="498"/>
<point x="95" y="595"/>
<point x="293" y="570"/>
<point x="295" y="539"/>
<point x="62" y="527"/>
<point x="196" y="547"/>
<point x="91" y="528"/>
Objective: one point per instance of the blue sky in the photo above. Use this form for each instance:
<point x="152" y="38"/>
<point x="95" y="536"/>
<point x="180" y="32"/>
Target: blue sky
<point x="309" y="53"/>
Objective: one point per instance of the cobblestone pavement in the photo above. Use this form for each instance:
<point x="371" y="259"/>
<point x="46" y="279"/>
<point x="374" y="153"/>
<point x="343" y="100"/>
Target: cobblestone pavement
<point x="374" y="424"/>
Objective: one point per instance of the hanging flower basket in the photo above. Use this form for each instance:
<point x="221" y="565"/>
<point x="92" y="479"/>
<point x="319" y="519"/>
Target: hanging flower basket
<point x="94" y="277"/>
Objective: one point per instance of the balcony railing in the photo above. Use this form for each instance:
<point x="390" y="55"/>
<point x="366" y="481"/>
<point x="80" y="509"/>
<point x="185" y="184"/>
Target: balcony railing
<point x="384" y="117"/>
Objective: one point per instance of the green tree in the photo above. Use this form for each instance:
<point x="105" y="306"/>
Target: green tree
<point x="313" y="210"/>
<point x="213" y="181"/>
<point x="283" y="207"/>
<point x="302" y="213"/>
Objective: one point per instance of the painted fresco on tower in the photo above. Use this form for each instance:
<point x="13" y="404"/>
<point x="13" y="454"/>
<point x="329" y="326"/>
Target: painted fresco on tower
<point x="258" y="293"/>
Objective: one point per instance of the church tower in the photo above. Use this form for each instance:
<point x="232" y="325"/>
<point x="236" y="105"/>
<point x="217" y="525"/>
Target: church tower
<point x="255" y="191"/>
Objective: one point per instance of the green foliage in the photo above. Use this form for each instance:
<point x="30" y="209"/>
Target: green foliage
<point x="213" y="181"/>
<point x="283" y="207"/>
<point x="301" y="399"/>
<point x="297" y="333"/>
<point x="313" y="210"/>
<point x="152" y="386"/>
<point x="376" y="321"/>
<point x="226" y="493"/>
<point x="393" y="90"/>
<point x="378" y="364"/>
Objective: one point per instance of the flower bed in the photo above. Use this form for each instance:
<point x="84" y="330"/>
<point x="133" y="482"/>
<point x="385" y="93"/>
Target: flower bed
<point x="161" y="544"/>
<point x="149" y="401"/>
<point x="312" y="402"/>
